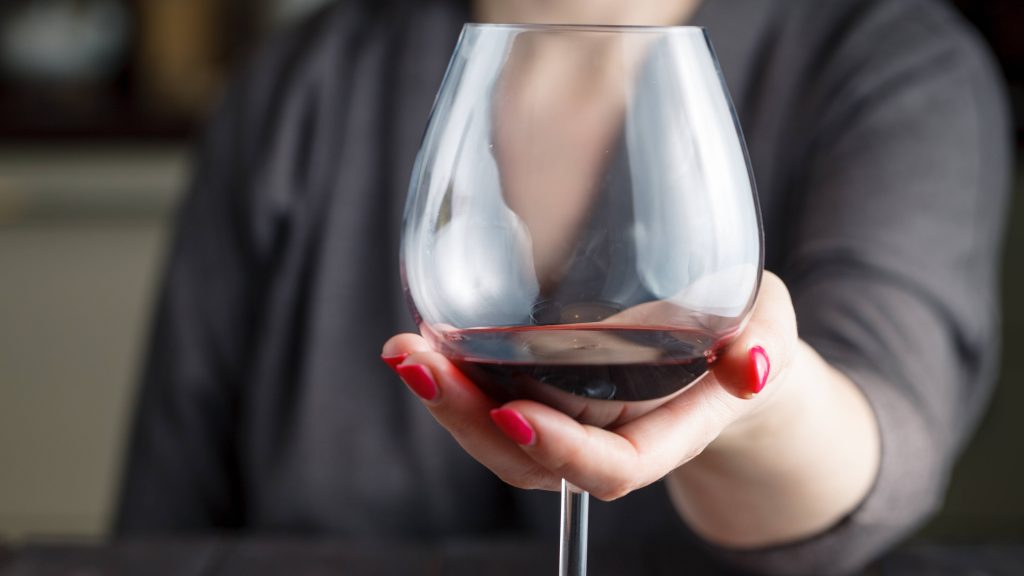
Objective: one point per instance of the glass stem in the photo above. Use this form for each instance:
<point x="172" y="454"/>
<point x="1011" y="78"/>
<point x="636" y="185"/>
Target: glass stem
<point x="572" y="555"/>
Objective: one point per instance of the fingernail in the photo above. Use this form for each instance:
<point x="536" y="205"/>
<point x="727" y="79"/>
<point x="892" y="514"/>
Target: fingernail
<point x="394" y="361"/>
<point x="419" y="380"/>
<point x="513" y="425"/>
<point x="759" y="369"/>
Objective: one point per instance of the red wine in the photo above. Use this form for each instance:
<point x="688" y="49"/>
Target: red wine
<point x="589" y="361"/>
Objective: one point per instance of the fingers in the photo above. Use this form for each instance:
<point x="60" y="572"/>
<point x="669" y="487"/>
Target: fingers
<point x="593" y="459"/>
<point x="458" y="405"/>
<point x="530" y="445"/>
<point x="612" y="463"/>
<point x="399" y="347"/>
<point x="749" y="365"/>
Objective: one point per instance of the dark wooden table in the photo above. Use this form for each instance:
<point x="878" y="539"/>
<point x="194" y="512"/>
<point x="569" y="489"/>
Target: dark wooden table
<point x="254" y="557"/>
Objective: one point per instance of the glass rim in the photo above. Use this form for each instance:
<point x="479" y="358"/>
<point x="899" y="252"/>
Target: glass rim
<point x="643" y="28"/>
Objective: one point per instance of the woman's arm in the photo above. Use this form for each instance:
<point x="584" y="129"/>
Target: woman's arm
<point x="895" y="236"/>
<point x="892" y="276"/>
<point x="798" y="462"/>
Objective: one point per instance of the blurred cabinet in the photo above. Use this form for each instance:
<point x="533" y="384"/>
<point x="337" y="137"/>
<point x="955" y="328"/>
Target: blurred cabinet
<point x="111" y="69"/>
<point x="181" y="59"/>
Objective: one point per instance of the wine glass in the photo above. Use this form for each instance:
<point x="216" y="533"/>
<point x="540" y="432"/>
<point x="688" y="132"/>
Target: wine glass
<point x="582" y="227"/>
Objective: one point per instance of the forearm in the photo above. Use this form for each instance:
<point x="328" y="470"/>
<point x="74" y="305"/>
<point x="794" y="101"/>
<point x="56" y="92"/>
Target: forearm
<point x="807" y="458"/>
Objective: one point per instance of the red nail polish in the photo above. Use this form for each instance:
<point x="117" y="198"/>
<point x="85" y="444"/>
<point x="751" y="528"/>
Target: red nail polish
<point x="513" y="425"/>
<point x="419" y="380"/>
<point x="394" y="361"/>
<point x="759" y="369"/>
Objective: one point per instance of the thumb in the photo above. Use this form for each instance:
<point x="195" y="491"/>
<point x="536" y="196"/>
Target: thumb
<point x="761" y="353"/>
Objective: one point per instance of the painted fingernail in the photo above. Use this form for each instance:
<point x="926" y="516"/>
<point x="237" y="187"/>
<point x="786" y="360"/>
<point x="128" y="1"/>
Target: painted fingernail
<point x="394" y="361"/>
<point x="513" y="425"/>
<point x="419" y="380"/>
<point x="759" y="369"/>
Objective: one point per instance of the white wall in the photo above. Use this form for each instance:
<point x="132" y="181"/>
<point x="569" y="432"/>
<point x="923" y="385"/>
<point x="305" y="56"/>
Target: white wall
<point x="82" y="234"/>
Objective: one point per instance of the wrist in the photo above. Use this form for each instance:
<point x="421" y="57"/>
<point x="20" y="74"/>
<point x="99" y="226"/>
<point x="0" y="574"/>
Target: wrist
<point x="795" y="464"/>
<point x="781" y="405"/>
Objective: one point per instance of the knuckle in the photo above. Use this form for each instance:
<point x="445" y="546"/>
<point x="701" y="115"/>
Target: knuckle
<point x="774" y="310"/>
<point x="616" y="489"/>
<point x="532" y="478"/>
<point x="774" y="286"/>
<point x="514" y="480"/>
<point x="691" y="454"/>
<point x="565" y="461"/>
<point x="715" y="409"/>
<point x="457" y="427"/>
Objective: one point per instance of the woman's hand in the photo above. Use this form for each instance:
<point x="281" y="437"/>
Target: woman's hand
<point x="750" y="393"/>
<point x="530" y="445"/>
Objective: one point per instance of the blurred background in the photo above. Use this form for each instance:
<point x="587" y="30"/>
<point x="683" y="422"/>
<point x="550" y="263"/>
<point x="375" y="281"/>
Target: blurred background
<point x="99" y="103"/>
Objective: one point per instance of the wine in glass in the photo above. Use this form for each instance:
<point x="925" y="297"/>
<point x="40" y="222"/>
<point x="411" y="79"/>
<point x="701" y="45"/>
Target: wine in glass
<point x="582" y="227"/>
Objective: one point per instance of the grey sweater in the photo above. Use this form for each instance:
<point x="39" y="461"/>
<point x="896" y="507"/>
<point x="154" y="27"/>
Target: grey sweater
<point x="879" y="138"/>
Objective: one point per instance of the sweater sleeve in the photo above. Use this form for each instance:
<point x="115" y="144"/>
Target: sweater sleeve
<point x="893" y="259"/>
<point x="181" y="468"/>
